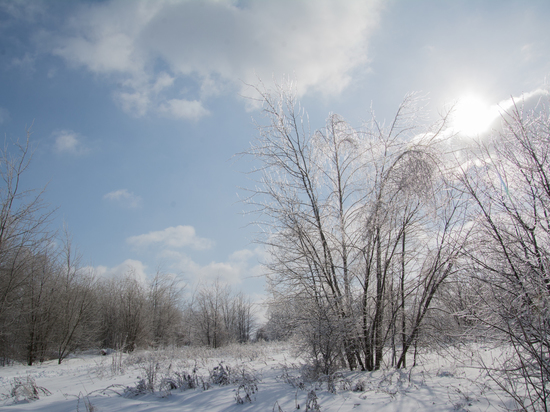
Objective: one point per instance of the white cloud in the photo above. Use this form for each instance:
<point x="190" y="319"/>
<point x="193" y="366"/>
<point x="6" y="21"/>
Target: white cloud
<point x="164" y="80"/>
<point x="67" y="141"/>
<point x="242" y="268"/>
<point x="136" y="103"/>
<point x="214" y="44"/>
<point x="104" y="55"/>
<point x="172" y="237"/>
<point x="103" y="37"/>
<point x="184" y="109"/>
<point x="124" y="198"/>
<point x="507" y="104"/>
<point x="226" y="272"/>
<point x="27" y="10"/>
<point x="130" y="267"/>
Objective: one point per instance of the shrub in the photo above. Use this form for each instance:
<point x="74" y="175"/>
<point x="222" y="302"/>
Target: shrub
<point x="220" y="375"/>
<point x="27" y="390"/>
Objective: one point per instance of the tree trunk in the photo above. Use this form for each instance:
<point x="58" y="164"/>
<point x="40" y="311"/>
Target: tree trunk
<point x="403" y="319"/>
<point x="379" y="315"/>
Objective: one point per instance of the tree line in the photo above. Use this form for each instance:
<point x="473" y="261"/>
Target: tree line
<point x="52" y="305"/>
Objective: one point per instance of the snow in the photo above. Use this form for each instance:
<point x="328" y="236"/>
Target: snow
<point x="445" y="381"/>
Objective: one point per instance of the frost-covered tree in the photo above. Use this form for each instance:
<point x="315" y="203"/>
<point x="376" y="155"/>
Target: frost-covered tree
<point x="165" y="302"/>
<point x="508" y="180"/>
<point x="76" y="325"/>
<point x="219" y="316"/>
<point x="24" y="234"/>
<point x="124" y="313"/>
<point x="358" y="223"/>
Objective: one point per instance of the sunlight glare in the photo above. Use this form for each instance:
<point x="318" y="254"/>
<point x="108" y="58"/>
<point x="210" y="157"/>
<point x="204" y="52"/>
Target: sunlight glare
<point x="472" y="116"/>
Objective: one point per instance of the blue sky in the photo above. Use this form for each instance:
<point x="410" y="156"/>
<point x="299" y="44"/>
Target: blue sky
<point x="138" y="107"/>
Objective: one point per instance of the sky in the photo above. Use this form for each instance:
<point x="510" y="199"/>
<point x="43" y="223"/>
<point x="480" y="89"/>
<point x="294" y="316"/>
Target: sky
<point x="139" y="108"/>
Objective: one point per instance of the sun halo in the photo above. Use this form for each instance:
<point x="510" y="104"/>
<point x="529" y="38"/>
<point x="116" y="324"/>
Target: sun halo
<point x="471" y="115"/>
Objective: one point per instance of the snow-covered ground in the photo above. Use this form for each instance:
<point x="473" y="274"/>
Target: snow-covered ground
<point x="269" y="373"/>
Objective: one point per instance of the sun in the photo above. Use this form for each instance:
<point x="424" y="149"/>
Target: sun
<point x="471" y="115"/>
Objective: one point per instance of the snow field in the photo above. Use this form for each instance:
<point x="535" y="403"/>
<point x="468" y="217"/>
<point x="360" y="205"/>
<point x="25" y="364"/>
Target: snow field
<point x="252" y="377"/>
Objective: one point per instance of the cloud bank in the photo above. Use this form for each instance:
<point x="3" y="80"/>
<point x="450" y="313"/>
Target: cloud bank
<point x="167" y="245"/>
<point x="241" y="266"/>
<point x="207" y="47"/>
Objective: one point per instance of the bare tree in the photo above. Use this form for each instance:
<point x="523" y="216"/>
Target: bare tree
<point x="309" y="196"/>
<point x="37" y="311"/>
<point x="75" y="325"/>
<point x="124" y="312"/>
<point x="220" y="316"/>
<point x="509" y="182"/>
<point x="165" y="302"/>
<point x="24" y="238"/>
<point x="244" y="319"/>
<point x="345" y="212"/>
<point x="208" y="314"/>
